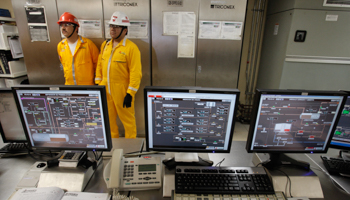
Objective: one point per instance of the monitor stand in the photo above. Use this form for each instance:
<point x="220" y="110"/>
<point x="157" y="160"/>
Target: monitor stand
<point x="68" y="178"/>
<point x="300" y="178"/>
<point x="186" y="159"/>
<point x="279" y="159"/>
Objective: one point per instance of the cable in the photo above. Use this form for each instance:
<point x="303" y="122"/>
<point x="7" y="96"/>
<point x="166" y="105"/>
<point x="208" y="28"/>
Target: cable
<point x="219" y="163"/>
<point x="100" y="156"/>
<point x="290" y="183"/>
<point x="316" y="168"/>
<point x="133" y="152"/>
<point x="117" y="196"/>
<point x="93" y="153"/>
<point x="97" y="158"/>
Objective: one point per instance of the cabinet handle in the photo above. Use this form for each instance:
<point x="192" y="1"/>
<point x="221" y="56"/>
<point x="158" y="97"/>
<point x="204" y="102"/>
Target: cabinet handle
<point x="199" y="69"/>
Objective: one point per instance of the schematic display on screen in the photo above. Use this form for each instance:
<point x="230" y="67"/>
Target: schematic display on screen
<point x="341" y="135"/>
<point x="294" y="122"/>
<point x="190" y="120"/>
<point x="63" y="118"/>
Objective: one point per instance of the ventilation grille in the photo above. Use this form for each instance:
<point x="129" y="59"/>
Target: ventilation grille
<point x="337" y="3"/>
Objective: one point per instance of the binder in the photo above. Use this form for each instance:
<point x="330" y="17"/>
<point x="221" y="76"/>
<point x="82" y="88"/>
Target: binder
<point x="5" y="57"/>
<point x="15" y="46"/>
<point x="2" y="68"/>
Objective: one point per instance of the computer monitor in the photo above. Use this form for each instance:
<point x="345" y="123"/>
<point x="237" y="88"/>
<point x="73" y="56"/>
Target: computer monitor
<point x="293" y="121"/>
<point x="64" y="117"/>
<point x="341" y="136"/>
<point x="11" y="128"/>
<point x="190" y="119"/>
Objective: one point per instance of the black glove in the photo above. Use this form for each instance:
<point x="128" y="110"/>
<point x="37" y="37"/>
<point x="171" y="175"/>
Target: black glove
<point x="127" y="100"/>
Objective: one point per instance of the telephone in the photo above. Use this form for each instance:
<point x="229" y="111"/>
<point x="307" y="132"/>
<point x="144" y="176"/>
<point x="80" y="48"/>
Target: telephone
<point x="130" y="174"/>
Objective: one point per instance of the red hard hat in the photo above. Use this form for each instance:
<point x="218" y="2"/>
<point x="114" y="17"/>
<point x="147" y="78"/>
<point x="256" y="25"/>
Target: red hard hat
<point x="68" y="18"/>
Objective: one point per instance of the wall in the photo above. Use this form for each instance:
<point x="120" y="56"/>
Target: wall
<point x="320" y="62"/>
<point x="274" y="50"/>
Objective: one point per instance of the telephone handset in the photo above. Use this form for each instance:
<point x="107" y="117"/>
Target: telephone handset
<point x="136" y="173"/>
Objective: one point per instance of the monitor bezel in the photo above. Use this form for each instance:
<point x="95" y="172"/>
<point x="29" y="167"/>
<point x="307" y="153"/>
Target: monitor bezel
<point x="255" y="109"/>
<point x="2" y="133"/>
<point x="190" y="90"/>
<point x="102" y="91"/>
<point x="339" y="146"/>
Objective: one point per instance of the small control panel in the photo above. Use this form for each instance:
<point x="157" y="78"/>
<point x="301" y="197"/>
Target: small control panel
<point x="31" y="177"/>
<point x="141" y="173"/>
<point x="73" y="156"/>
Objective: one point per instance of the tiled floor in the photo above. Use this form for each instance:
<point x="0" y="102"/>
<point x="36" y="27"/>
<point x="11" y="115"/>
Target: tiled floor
<point x="240" y="132"/>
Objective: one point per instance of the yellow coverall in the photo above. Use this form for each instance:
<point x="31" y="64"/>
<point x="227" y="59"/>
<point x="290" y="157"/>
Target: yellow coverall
<point x="80" y="69"/>
<point x="119" y="69"/>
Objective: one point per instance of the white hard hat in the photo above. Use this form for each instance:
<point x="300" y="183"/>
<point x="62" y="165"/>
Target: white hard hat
<point x="119" y="18"/>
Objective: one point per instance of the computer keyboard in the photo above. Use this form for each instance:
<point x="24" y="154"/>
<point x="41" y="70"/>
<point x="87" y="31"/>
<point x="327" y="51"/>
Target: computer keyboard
<point x="222" y="180"/>
<point x="14" y="148"/>
<point x="336" y="165"/>
<point x="276" y="196"/>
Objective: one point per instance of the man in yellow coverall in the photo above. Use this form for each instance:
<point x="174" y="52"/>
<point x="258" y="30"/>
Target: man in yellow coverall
<point x="78" y="55"/>
<point x="119" y="69"/>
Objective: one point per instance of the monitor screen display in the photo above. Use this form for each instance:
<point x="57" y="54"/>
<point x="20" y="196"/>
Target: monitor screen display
<point x="190" y="119"/>
<point x="341" y="137"/>
<point x="293" y="121"/>
<point x="11" y="128"/>
<point x="65" y="117"/>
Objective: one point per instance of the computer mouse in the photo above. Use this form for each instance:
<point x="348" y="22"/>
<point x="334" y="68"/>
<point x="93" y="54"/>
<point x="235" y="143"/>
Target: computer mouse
<point x="40" y="165"/>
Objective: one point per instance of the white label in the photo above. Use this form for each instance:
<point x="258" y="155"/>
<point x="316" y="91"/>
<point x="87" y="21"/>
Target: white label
<point x="333" y="18"/>
<point x="275" y="31"/>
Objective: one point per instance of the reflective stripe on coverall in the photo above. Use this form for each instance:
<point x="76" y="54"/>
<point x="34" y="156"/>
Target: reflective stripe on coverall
<point x="119" y="69"/>
<point x="80" y="69"/>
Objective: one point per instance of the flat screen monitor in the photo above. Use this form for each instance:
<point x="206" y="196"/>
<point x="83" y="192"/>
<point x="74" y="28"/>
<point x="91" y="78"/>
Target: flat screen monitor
<point x="341" y="136"/>
<point x="190" y="119"/>
<point x="64" y="117"/>
<point x="293" y="121"/>
<point x="11" y="128"/>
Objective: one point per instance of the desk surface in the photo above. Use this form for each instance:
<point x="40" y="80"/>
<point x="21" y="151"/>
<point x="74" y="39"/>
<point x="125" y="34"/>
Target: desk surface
<point x="13" y="169"/>
<point x="343" y="182"/>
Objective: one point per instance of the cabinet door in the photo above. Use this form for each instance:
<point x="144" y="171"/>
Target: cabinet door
<point x="218" y="60"/>
<point x="167" y="68"/>
<point x="41" y="60"/>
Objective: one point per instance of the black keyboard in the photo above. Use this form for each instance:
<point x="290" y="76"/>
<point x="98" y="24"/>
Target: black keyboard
<point x="14" y="148"/>
<point x="222" y="180"/>
<point x="336" y="165"/>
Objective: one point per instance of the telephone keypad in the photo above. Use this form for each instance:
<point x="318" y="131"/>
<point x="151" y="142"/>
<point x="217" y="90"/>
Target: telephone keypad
<point x="132" y="177"/>
<point x="128" y="170"/>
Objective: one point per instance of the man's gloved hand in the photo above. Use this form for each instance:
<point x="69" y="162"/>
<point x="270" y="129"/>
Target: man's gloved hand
<point x="127" y="100"/>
